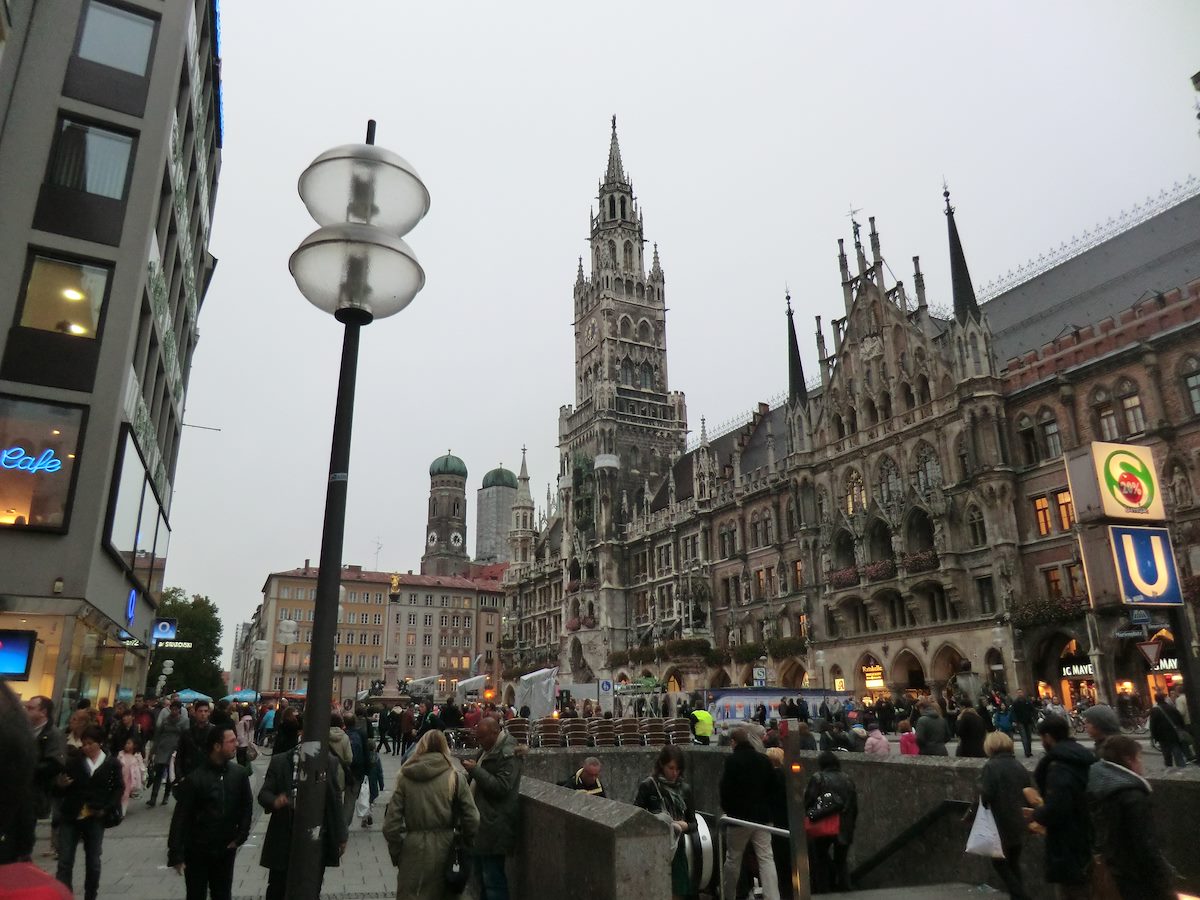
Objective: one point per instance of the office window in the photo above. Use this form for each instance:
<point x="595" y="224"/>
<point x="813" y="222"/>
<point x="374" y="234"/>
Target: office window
<point x="428" y="620"/>
<point x="1192" y="384"/>
<point x="116" y="38"/>
<point x="90" y="159"/>
<point x="375" y="639"/>
<point x="425" y="661"/>
<point x="1053" y="579"/>
<point x="412" y="618"/>
<point x="1066" y="509"/>
<point x="976" y="527"/>
<point x="427" y="640"/>
<point x="378" y="619"/>
<point x="1041" y="511"/>
<point x="410" y="639"/>
<point x="64" y="297"/>
<point x="410" y="660"/>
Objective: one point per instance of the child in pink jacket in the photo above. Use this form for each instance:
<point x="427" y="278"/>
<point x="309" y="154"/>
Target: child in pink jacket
<point x="877" y="743"/>
<point x="908" y="739"/>
<point x="133" y="768"/>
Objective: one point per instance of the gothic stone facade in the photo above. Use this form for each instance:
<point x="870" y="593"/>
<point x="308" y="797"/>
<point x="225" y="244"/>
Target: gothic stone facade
<point x="907" y="514"/>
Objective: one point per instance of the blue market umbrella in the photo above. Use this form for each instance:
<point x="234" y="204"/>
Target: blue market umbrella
<point x="246" y="695"/>
<point x="189" y="696"/>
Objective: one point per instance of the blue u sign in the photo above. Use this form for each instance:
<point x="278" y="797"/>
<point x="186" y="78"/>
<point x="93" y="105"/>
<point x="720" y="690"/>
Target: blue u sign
<point x="1145" y="562"/>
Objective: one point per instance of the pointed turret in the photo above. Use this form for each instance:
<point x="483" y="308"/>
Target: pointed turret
<point x="656" y="272"/>
<point x="797" y="389"/>
<point x="965" y="304"/>
<point x="579" y="279"/>
<point x="615" y="173"/>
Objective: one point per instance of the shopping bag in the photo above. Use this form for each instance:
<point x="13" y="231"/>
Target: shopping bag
<point x="362" y="805"/>
<point x="984" y="839"/>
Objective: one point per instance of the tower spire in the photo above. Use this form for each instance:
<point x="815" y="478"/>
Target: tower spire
<point x="797" y="389"/>
<point x="615" y="172"/>
<point x="965" y="304"/>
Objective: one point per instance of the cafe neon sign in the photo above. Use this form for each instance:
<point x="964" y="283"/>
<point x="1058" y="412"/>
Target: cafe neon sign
<point x="16" y="458"/>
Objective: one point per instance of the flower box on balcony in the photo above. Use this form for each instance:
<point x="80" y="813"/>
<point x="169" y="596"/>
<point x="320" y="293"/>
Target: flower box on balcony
<point x="589" y="622"/>
<point x="844" y="578"/>
<point x="1047" y="610"/>
<point x="922" y="561"/>
<point x="572" y="624"/>
<point x="881" y="570"/>
<point x="572" y="586"/>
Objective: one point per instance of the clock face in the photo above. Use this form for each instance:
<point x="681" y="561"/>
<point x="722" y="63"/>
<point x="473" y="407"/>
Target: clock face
<point x="432" y="538"/>
<point x="456" y="539"/>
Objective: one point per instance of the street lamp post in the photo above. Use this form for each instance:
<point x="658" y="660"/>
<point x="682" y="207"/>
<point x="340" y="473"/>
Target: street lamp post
<point x="356" y="267"/>
<point x="286" y="634"/>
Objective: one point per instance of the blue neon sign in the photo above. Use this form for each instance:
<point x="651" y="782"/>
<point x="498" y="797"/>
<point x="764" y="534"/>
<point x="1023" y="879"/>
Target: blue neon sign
<point x="17" y="458"/>
<point x="131" y="606"/>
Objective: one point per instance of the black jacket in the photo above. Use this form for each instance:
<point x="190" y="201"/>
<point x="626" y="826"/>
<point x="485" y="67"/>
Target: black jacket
<point x="840" y="784"/>
<point x="648" y="797"/>
<point x="277" y="844"/>
<point x="51" y="757"/>
<point x="1165" y="724"/>
<point x="1062" y="778"/>
<point x="192" y="752"/>
<point x="100" y="790"/>
<point x="1123" y="821"/>
<point x="1000" y="789"/>
<point x="971" y="732"/>
<point x="120" y="734"/>
<point x="746" y="785"/>
<point x="212" y="811"/>
<point x="1022" y="711"/>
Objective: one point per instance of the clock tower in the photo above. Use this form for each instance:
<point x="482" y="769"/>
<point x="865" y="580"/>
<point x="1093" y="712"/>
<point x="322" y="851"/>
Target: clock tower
<point x="446" y="529"/>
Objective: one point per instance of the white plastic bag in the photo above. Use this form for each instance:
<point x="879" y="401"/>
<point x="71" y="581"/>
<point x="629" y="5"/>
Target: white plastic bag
<point x="984" y="839"/>
<point x="362" y="806"/>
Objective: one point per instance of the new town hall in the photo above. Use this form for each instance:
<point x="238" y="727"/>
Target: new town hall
<point x="903" y="513"/>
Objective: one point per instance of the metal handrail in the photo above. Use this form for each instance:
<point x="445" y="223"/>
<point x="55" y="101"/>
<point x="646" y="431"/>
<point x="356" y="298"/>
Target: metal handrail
<point x="724" y="822"/>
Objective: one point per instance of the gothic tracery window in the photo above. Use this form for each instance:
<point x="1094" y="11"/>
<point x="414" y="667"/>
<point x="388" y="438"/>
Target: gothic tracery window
<point x="929" y="470"/>
<point x="890" y="486"/>
<point x="856" y="494"/>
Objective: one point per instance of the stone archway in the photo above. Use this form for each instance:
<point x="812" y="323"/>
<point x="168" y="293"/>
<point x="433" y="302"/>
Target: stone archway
<point x="946" y="662"/>
<point x="674" y="680"/>
<point x="720" y="678"/>
<point x="510" y="695"/>
<point x="623" y="678"/>
<point x="907" y="672"/>
<point x="791" y="673"/>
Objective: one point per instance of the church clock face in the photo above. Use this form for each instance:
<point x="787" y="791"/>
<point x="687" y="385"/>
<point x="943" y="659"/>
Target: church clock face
<point x="456" y="539"/>
<point x="432" y="539"/>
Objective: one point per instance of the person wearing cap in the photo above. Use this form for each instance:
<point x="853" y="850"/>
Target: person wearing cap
<point x="1101" y="722"/>
<point x="859" y="736"/>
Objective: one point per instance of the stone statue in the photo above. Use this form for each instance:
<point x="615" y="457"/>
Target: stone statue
<point x="1180" y="488"/>
<point x="395" y="588"/>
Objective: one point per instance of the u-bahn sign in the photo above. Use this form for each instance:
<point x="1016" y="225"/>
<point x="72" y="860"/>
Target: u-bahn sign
<point x="1145" y="564"/>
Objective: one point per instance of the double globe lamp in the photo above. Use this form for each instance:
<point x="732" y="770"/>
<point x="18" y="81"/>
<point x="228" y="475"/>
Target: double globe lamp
<point x="357" y="267"/>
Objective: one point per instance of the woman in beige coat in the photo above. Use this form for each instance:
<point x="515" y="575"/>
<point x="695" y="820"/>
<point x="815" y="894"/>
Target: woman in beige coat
<point x="430" y="796"/>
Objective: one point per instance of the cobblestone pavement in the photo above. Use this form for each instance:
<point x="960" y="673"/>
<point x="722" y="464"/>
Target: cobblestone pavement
<point x="135" y="854"/>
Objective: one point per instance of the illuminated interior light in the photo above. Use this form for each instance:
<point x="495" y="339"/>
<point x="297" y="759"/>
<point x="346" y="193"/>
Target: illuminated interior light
<point x="76" y="329"/>
<point x="73" y="294"/>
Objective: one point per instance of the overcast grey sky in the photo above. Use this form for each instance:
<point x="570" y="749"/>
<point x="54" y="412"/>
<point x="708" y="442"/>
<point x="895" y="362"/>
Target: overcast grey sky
<point x="748" y="129"/>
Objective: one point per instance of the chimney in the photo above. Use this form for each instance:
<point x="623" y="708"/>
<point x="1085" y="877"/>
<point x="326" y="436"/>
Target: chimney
<point x="306" y="562"/>
<point x="410" y="571"/>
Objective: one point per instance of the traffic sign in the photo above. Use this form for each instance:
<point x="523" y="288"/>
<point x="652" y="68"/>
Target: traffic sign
<point x="1145" y="565"/>
<point x="1139" y="617"/>
<point x="1150" y="650"/>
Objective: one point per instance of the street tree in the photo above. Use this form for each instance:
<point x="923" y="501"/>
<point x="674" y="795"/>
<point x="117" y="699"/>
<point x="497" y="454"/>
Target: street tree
<point x="199" y="667"/>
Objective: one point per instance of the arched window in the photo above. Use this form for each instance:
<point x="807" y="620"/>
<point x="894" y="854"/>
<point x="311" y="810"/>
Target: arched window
<point x="754" y="535"/>
<point x="839" y="427"/>
<point x="1131" y="407"/>
<point x="891" y="489"/>
<point x="647" y="376"/>
<point x="856" y="494"/>
<point x="790" y="512"/>
<point x="976" y="359"/>
<point x="885" y="406"/>
<point x="612" y="207"/>
<point x="626" y="372"/>
<point x="922" y="389"/>
<point x="768" y="529"/>
<point x="1191" y="384"/>
<point x="906" y="395"/>
<point x="626" y="327"/>
<point x="1104" y="417"/>
<point x="612" y="252"/>
<point x="628" y="253"/>
<point x="645" y="333"/>
<point x="1051" y="439"/>
<point x="976" y="528"/>
<point x="622" y="207"/>
<point x="1027" y="441"/>
<point x="929" y="470"/>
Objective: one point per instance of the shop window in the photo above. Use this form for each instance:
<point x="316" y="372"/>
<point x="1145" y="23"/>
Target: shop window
<point x="1053" y="581"/>
<point x="1041" y="512"/>
<point x="39" y="443"/>
<point x="90" y="159"/>
<point x="116" y="38"/>
<point x="1066" y="509"/>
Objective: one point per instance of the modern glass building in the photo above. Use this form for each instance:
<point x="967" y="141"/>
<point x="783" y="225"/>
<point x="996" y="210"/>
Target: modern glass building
<point x="110" y="145"/>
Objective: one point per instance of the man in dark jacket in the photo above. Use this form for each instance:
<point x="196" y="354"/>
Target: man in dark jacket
<point x="122" y="731"/>
<point x="746" y="786"/>
<point x="587" y="779"/>
<point x="495" y="777"/>
<point x="51" y="751"/>
<point x="211" y="819"/>
<point x="90" y="786"/>
<point x="1023" y="715"/>
<point x="1166" y="724"/>
<point x="278" y="797"/>
<point x="1061" y="777"/>
<point x="192" y="754"/>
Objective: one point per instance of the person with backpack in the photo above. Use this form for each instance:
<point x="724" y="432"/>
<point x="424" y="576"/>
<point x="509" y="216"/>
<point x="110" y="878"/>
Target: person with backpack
<point x="829" y="853"/>
<point x="357" y="773"/>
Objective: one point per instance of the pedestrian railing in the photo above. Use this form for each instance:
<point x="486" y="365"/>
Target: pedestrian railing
<point x="726" y="822"/>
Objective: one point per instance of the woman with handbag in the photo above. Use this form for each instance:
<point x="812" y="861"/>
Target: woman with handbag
<point x="430" y="823"/>
<point x="831" y="812"/>
<point x="1001" y="794"/>
<point x="667" y="796"/>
